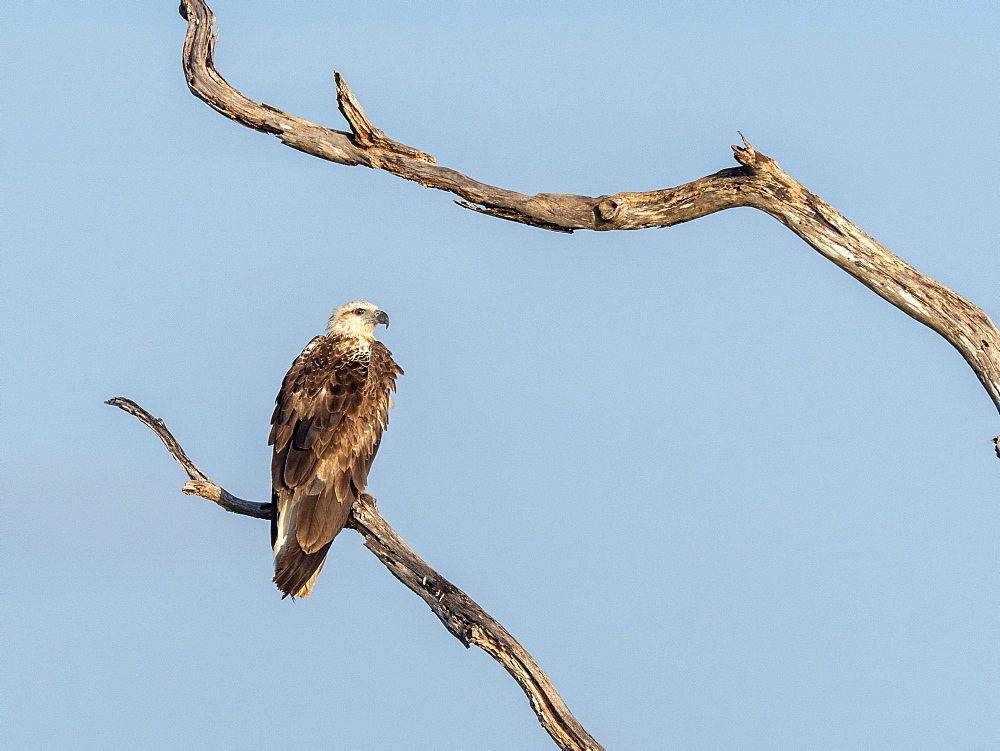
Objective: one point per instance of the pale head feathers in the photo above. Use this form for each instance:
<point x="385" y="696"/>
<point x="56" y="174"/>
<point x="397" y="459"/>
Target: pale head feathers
<point x="356" y="319"/>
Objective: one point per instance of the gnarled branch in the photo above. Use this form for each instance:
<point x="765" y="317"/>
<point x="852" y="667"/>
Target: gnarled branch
<point x="463" y="618"/>
<point x="758" y="183"/>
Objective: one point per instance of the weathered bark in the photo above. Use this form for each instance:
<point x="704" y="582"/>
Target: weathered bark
<point x="466" y="621"/>
<point x="758" y="182"/>
<point x="470" y="624"/>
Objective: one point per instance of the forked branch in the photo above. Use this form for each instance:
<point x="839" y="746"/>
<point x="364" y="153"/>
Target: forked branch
<point x="758" y="183"/>
<point x="463" y="618"/>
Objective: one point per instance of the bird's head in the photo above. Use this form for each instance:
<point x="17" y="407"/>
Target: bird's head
<point x="356" y="319"/>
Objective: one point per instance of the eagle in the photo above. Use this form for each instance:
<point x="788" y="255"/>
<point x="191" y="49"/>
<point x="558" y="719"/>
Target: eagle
<point x="327" y="424"/>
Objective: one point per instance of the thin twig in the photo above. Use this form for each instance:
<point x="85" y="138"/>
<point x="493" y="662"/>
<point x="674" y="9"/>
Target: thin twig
<point x="200" y="483"/>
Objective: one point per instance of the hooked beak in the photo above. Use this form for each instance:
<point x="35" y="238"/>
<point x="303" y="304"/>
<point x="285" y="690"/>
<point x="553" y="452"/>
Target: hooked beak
<point x="381" y="317"/>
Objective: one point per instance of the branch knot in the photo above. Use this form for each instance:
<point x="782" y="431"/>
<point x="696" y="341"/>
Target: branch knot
<point x="614" y="209"/>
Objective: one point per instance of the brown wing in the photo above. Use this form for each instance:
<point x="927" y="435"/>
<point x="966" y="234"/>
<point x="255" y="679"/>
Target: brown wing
<point x="326" y="428"/>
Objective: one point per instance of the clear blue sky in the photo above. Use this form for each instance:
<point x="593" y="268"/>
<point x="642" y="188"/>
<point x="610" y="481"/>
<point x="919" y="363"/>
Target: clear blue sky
<point x="726" y="496"/>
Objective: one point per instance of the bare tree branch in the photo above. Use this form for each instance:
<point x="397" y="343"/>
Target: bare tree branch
<point x="463" y="618"/>
<point x="758" y="183"/>
<point x="470" y="624"/>
<point x="200" y="483"/>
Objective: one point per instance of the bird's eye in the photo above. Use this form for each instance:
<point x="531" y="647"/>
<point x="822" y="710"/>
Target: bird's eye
<point x="359" y="311"/>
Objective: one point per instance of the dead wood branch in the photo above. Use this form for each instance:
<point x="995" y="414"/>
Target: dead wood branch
<point x="758" y="183"/>
<point x="463" y="618"/>
<point x="200" y="483"/>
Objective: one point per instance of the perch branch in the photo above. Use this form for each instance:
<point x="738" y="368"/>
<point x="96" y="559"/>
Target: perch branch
<point x="470" y="624"/>
<point x="758" y="183"/>
<point x="463" y="618"/>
